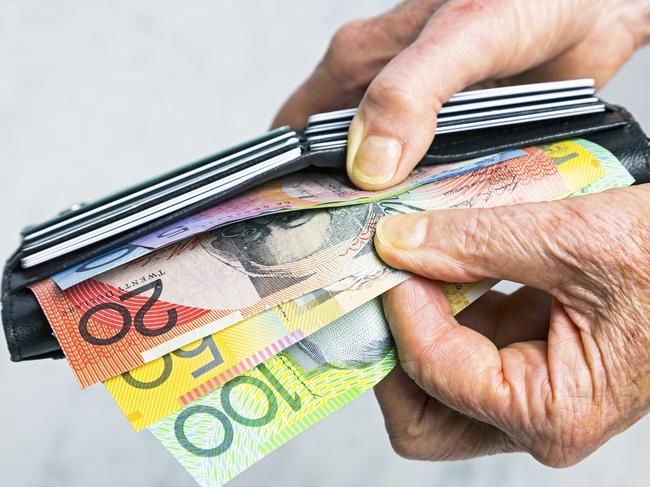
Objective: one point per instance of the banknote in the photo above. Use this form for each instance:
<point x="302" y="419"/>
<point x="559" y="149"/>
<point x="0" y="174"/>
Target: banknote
<point x="193" y="289"/>
<point x="307" y="189"/>
<point x="225" y="432"/>
<point x="616" y="176"/>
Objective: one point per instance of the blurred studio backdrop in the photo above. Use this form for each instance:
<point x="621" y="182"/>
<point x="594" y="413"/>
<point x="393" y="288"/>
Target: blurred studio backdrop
<point x="98" y="95"/>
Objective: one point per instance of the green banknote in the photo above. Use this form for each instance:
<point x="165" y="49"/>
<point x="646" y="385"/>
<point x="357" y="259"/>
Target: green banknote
<point x="223" y="433"/>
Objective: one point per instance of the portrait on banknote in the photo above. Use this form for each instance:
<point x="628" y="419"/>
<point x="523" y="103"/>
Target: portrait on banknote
<point x="346" y="343"/>
<point x="265" y="249"/>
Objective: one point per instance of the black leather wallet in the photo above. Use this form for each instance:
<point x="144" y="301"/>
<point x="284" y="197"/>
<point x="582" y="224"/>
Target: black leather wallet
<point x="29" y="335"/>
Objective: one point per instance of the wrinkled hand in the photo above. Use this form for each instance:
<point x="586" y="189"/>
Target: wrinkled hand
<point x="554" y="371"/>
<point x="408" y="61"/>
<point x="556" y="368"/>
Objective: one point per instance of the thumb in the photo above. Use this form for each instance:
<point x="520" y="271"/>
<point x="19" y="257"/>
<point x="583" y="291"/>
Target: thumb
<point x="524" y="243"/>
<point x="460" y="367"/>
<point x="464" y="42"/>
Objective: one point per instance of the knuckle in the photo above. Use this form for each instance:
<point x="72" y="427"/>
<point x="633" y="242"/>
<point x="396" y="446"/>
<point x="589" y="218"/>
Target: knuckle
<point x="604" y="250"/>
<point x="407" y="447"/>
<point x="393" y="96"/>
<point x="349" y="35"/>
<point x="560" y="455"/>
<point x="606" y="230"/>
<point x="572" y="434"/>
<point x="473" y="6"/>
<point x="478" y="232"/>
<point x="406" y="435"/>
<point x="556" y="455"/>
<point x="347" y="53"/>
<point x="554" y="458"/>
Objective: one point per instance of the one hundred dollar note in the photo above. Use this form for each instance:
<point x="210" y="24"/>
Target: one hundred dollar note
<point x="225" y="432"/>
<point x="168" y="299"/>
<point x="304" y="190"/>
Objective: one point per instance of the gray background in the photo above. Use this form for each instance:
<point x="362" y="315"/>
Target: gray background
<point x="97" y="95"/>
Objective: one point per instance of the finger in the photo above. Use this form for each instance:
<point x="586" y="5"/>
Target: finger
<point x="420" y="427"/>
<point x="505" y="319"/>
<point x="321" y="92"/>
<point x="357" y="52"/>
<point x="457" y="365"/>
<point x="538" y="393"/>
<point x="338" y="80"/>
<point x="531" y="243"/>
<point x="464" y="42"/>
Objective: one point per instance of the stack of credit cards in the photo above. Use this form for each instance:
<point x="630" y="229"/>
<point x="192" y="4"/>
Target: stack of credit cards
<point x="205" y="180"/>
<point x="471" y="110"/>
<point x="198" y="181"/>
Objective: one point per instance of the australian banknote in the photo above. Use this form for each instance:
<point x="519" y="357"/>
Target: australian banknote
<point x="225" y="432"/>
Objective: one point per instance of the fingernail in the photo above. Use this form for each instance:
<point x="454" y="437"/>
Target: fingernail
<point x="403" y="232"/>
<point x="376" y="159"/>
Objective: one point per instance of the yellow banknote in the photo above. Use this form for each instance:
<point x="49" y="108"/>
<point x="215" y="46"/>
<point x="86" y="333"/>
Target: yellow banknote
<point x="158" y="388"/>
<point x="578" y="165"/>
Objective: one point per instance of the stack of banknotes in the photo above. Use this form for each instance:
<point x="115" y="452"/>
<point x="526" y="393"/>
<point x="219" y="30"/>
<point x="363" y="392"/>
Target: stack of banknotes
<point x="233" y="330"/>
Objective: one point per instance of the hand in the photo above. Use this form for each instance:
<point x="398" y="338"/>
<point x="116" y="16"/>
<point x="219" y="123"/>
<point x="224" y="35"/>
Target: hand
<point x="554" y="371"/>
<point x="411" y="59"/>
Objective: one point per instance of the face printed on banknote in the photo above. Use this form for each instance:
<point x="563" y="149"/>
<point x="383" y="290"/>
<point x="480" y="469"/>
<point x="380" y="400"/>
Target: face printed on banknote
<point x="264" y="249"/>
<point x="348" y="343"/>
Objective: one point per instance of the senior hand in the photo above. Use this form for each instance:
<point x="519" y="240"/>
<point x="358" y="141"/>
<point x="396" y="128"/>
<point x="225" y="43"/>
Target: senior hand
<point x="411" y="59"/>
<point x="521" y="373"/>
<point x="557" y="368"/>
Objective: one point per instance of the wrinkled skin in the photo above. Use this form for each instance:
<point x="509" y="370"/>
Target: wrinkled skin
<point x="562" y="365"/>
